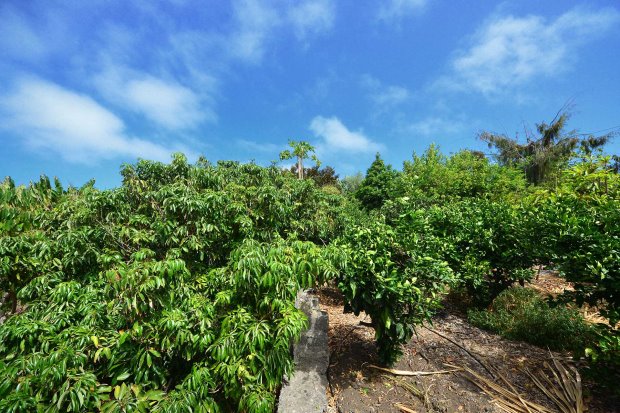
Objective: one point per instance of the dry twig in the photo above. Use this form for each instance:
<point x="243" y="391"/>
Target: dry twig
<point x="404" y="408"/>
<point x="413" y="373"/>
<point x="462" y="348"/>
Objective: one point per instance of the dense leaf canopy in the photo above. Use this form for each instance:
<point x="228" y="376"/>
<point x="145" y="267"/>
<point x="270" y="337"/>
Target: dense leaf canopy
<point x="175" y="292"/>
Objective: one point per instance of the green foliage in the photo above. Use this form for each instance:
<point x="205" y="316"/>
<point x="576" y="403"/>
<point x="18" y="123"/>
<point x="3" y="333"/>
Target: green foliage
<point x="378" y="186"/>
<point x="433" y="178"/>
<point x="604" y="352"/>
<point x="351" y="183"/>
<point x="475" y="208"/>
<point x="325" y="176"/>
<point x="543" y="157"/>
<point x="300" y="150"/>
<point x="581" y="224"/>
<point x="522" y="314"/>
<point x="395" y="278"/>
<point x="488" y="245"/>
<point x="174" y="292"/>
<point x="23" y="246"/>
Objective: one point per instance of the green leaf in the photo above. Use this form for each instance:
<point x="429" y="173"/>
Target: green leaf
<point x="123" y="376"/>
<point x="155" y="395"/>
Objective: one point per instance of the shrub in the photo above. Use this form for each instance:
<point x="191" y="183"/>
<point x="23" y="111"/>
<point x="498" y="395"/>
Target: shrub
<point x="435" y="179"/>
<point x="397" y="280"/>
<point x="522" y="314"/>
<point x="378" y="186"/>
<point x="174" y="292"/>
<point x="580" y="221"/>
<point x="488" y="245"/>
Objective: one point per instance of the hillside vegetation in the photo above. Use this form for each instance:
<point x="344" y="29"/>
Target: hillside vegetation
<point x="175" y="292"/>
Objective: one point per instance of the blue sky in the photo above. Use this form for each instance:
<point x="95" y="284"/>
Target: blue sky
<point x="88" y="85"/>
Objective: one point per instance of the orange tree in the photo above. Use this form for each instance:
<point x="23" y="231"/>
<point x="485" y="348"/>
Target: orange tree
<point x="579" y="224"/>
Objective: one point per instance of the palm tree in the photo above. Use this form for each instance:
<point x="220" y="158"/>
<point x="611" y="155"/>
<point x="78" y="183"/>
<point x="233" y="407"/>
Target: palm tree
<point x="541" y="156"/>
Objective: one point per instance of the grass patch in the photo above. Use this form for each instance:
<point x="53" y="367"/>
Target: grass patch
<point x="522" y="314"/>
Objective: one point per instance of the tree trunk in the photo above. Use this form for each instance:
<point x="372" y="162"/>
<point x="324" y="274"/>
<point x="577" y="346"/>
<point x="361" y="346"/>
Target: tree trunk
<point x="300" y="168"/>
<point x="13" y="298"/>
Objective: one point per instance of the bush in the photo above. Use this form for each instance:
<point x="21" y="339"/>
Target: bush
<point x="396" y="279"/>
<point x="580" y="223"/>
<point x="584" y="242"/>
<point x="174" y="292"/>
<point x="488" y="245"/>
<point x="435" y="179"/>
<point x="522" y="314"/>
<point x="378" y="186"/>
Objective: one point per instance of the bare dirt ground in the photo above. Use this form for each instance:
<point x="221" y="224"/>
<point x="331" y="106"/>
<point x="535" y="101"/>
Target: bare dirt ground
<point x="357" y="387"/>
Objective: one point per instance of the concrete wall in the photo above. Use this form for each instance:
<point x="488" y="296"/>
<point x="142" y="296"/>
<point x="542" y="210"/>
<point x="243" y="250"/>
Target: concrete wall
<point x="305" y="392"/>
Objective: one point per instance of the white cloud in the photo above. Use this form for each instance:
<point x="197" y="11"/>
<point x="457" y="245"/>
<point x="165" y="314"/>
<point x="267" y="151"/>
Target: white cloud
<point x="312" y="17"/>
<point x="392" y="95"/>
<point x="337" y="137"/>
<point x="510" y="51"/>
<point x="167" y="103"/>
<point x="256" y="23"/>
<point x="397" y="9"/>
<point x="72" y="125"/>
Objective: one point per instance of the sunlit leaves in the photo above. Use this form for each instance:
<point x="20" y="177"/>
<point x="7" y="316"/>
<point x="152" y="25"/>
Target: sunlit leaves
<point x="395" y="278"/>
<point x="580" y="222"/>
<point x="174" y="292"/>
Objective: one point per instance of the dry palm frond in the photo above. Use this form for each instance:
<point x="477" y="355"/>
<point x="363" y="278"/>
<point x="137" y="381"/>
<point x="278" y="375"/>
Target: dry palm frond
<point x="421" y="394"/>
<point x="412" y="373"/>
<point x="410" y="387"/>
<point x="508" y="400"/>
<point x="564" y="390"/>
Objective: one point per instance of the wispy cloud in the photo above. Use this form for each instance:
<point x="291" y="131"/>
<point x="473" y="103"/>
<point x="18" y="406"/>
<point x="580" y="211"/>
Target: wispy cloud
<point x="508" y="51"/>
<point x="312" y="17"/>
<point x="395" y="10"/>
<point x="72" y="125"/>
<point x="256" y="23"/>
<point x="384" y="96"/>
<point x="164" y="102"/>
<point x="18" y="39"/>
<point x="435" y="126"/>
<point x="337" y="137"/>
<point x="173" y="83"/>
<point x="255" y="20"/>
<point x="392" y="95"/>
<point x="262" y="147"/>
